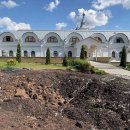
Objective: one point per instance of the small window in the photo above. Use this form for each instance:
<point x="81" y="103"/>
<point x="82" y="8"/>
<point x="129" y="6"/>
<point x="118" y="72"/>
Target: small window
<point x="11" y="53"/>
<point x="52" y="39"/>
<point x="70" y="54"/>
<point x="74" y="40"/>
<point x="25" y="54"/>
<point x="7" y="39"/>
<point x="113" y="54"/>
<point x="33" y="54"/>
<point x="55" y="54"/>
<point x="3" y="53"/>
<point x="30" y="39"/>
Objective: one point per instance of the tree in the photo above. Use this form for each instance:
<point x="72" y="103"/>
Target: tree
<point x="18" y="54"/>
<point x="48" y="60"/>
<point x="123" y="61"/>
<point x="82" y="53"/>
<point x="65" y="62"/>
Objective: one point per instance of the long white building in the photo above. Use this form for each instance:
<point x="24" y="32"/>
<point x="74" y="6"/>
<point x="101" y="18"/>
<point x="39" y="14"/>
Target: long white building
<point x="34" y="43"/>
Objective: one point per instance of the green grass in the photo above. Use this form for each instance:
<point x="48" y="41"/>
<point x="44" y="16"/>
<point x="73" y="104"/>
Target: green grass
<point x="35" y="66"/>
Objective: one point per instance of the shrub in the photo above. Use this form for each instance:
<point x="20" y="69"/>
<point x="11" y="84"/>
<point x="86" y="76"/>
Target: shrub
<point x="65" y="62"/>
<point x="123" y="61"/>
<point x="100" y="72"/>
<point x="128" y="67"/>
<point x="92" y="69"/>
<point x="11" y="62"/>
<point x="48" y="59"/>
<point x="18" y="54"/>
<point x="81" y="65"/>
<point x="82" y="53"/>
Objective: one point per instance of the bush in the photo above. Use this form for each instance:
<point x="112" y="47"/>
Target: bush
<point x="65" y="62"/>
<point x="18" y="54"/>
<point x="92" y="69"/>
<point x="82" y="53"/>
<point x="48" y="59"/>
<point x="100" y="72"/>
<point x="123" y="61"/>
<point x="81" y="65"/>
<point x="128" y="67"/>
<point x="11" y="62"/>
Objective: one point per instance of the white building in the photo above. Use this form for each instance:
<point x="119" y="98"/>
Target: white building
<point x="69" y="42"/>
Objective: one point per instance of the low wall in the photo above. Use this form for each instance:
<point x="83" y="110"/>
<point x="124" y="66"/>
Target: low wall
<point x="103" y="59"/>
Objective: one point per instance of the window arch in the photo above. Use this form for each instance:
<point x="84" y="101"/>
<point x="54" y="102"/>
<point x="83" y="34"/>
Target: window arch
<point x="98" y="38"/>
<point x="11" y="53"/>
<point x="25" y="54"/>
<point x="8" y="39"/>
<point x="33" y="54"/>
<point x="113" y="54"/>
<point x="69" y="53"/>
<point x="55" y="54"/>
<point x="30" y="39"/>
<point x="52" y="39"/>
<point x="74" y="40"/>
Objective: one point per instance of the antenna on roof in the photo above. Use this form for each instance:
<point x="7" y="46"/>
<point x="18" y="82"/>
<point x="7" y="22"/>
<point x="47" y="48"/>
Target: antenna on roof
<point x="82" y="22"/>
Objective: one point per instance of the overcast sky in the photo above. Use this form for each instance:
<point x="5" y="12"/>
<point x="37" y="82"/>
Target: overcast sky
<point x="64" y="14"/>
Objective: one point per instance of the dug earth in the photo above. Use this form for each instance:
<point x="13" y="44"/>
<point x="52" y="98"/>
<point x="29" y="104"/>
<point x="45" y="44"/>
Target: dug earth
<point x="63" y="100"/>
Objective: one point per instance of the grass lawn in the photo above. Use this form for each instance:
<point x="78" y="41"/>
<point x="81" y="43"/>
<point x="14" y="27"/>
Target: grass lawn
<point x="35" y="66"/>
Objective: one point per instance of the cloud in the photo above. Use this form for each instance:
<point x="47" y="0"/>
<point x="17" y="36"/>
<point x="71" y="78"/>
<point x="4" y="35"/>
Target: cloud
<point x="92" y="18"/>
<point x="52" y="5"/>
<point x="7" y="24"/>
<point x="102" y="4"/>
<point x="60" y="26"/>
<point x="8" y="4"/>
<point x="72" y="15"/>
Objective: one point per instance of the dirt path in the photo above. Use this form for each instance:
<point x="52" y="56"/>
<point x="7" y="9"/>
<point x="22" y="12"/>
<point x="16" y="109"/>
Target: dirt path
<point x="112" y="69"/>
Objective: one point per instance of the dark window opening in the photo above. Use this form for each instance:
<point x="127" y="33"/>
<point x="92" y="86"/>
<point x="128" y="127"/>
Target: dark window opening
<point x="70" y="54"/>
<point x="11" y="53"/>
<point x="52" y="39"/>
<point x="30" y="39"/>
<point x="55" y="54"/>
<point x="25" y="54"/>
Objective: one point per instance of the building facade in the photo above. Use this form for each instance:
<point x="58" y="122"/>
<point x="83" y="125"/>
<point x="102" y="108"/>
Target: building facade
<point x="34" y="43"/>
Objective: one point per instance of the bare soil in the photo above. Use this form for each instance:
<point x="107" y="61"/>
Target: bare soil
<point x="63" y="100"/>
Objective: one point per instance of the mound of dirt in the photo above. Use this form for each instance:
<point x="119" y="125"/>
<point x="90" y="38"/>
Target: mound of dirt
<point x="63" y="100"/>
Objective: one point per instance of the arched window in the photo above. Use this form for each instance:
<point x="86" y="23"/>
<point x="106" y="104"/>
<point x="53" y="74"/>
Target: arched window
<point x="3" y="53"/>
<point x="32" y="53"/>
<point x="52" y="39"/>
<point x="74" y="40"/>
<point x="55" y="54"/>
<point x="119" y="40"/>
<point x="98" y="38"/>
<point x="30" y="39"/>
<point x="25" y="54"/>
<point x="120" y="54"/>
<point x="7" y="39"/>
<point x="113" y="54"/>
<point x="69" y="53"/>
<point x="11" y="53"/>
